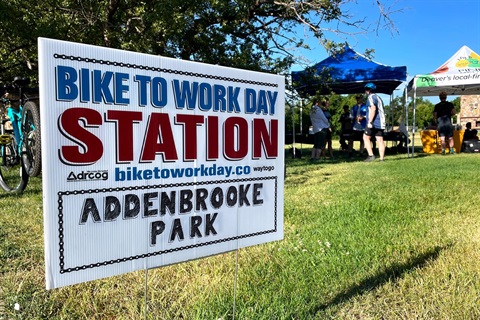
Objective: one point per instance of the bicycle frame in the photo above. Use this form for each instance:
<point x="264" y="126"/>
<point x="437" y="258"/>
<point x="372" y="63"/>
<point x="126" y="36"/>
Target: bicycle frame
<point x="15" y="115"/>
<point x="6" y="137"/>
<point x="13" y="175"/>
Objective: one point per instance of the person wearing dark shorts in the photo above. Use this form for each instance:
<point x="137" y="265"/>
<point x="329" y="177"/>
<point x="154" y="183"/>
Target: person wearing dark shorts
<point x="442" y="113"/>
<point x="345" y="127"/>
<point x="328" y="143"/>
<point x="375" y="123"/>
<point x="320" y="139"/>
<point x="358" y="114"/>
<point x="320" y="127"/>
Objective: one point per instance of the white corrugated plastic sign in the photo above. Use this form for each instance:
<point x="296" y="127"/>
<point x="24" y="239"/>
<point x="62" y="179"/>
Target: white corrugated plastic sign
<point x="149" y="161"/>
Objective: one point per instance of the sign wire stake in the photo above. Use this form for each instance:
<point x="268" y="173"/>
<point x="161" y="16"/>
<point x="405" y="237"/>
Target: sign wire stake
<point x="235" y="283"/>
<point x="146" y="292"/>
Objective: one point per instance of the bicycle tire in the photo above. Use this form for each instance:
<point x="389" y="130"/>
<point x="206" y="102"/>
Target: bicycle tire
<point x="13" y="177"/>
<point x="32" y="143"/>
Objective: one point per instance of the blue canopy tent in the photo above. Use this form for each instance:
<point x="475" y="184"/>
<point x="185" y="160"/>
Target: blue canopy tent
<point x="345" y="73"/>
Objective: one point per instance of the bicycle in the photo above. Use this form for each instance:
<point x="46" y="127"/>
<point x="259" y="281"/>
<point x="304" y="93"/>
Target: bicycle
<point x="13" y="177"/>
<point x="20" y="137"/>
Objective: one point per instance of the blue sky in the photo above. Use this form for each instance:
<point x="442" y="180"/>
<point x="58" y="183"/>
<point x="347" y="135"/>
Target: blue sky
<point x="429" y="33"/>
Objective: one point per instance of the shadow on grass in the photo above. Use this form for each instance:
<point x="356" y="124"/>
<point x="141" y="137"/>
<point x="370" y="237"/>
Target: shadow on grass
<point x="392" y="273"/>
<point x="342" y="157"/>
<point x="407" y="157"/>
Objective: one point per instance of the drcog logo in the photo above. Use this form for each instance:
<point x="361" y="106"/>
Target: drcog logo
<point x="88" y="176"/>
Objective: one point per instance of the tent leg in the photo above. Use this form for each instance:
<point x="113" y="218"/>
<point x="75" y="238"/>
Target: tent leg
<point x="413" y="124"/>
<point x="405" y="106"/>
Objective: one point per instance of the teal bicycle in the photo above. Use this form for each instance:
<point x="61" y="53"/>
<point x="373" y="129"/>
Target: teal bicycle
<point x="20" y="144"/>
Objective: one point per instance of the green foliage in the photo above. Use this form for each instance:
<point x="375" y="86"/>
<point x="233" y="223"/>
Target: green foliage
<point x="457" y="104"/>
<point x="302" y="109"/>
<point x="423" y="112"/>
<point x="253" y="35"/>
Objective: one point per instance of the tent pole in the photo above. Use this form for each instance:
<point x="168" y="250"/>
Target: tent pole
<point x="293" y="132"/>
<point x="392" y="124"/>
<point x="413" y="124"/>
<point x="405" y="107"/>
<point x="301" y="126"/>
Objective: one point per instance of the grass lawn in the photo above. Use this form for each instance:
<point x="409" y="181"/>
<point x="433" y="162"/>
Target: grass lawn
<point x="392" y="240"/>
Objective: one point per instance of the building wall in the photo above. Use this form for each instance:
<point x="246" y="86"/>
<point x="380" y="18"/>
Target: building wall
<point x="470" y="111"/>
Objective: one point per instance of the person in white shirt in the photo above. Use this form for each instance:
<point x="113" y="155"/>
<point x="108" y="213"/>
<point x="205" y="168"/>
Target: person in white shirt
<point x="320" y="126"/>
<point x="375" y="123"/>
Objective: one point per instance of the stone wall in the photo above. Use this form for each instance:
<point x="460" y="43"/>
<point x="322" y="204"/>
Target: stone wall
<point x="469" y="111"/>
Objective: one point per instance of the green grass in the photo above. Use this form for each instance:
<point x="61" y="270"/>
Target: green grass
<point x="392" y="240"/>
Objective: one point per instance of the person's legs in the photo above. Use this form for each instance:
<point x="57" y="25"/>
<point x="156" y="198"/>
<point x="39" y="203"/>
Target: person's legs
<point x="353" y="137"/>
<point x="330" y="149"/>
<point x="350" y="147"/>
<point x="327" y="142"/>
<point x="442" y="143"/>
<point x="319" y="145"/>
<point x="356" y="136"/>
<point x="316" y="146"/>
<point x="343" y="142"/>
<point x="323" y="135"/>
<point x="450" y="142"/>
<point x="368" y="144"/>
<point x="381" y="146"/>
<point x="449" y="136"/>
<point x="443" y="132"/>
<point x="451" y="145"/>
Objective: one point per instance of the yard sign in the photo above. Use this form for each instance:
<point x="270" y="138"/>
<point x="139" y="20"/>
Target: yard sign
<point x="150" y="161"/>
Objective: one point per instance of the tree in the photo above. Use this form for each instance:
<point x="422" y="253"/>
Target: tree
<point x="424" y="113"/>
<point x="336" y="108"/>
<point x="457" y="104"/>
<point x="249" y="34"/>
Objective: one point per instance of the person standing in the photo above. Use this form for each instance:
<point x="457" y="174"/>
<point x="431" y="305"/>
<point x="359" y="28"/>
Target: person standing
<point x="326" y="112"/>
<point x="358" y="114"/>
<point x="320" y="127"/>
<point x="375" y="123"/>
<point x="346" y="127"/>
<point x="442" y="114"/>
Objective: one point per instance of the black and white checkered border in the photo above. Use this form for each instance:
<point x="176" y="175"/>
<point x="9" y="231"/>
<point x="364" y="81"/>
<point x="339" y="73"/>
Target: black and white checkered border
<point x="162" y="70"/>
<point x="62" y="194"/>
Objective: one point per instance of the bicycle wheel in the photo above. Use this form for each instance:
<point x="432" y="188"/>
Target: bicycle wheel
<point x="31" y="144"/>
<point x="13" y="177"/>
